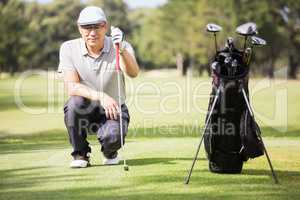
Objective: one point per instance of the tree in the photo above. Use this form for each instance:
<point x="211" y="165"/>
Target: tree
<point x="289" y="13"/>
<point x="11" y="40"/>
<point x="58" y="25"/>
<point x="278" y="23"/>
<point x="33" y="39"/>
<point x="175" y="33"/>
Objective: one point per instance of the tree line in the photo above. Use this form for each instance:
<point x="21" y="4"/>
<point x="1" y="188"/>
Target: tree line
<point x="170" y="36"/>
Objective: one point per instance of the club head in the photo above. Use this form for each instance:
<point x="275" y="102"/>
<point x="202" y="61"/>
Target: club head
<point x="247" y="29"/>
<point x="230" y="43"/>
<point x="213" y="28"/>
<point x="257" y="41"/>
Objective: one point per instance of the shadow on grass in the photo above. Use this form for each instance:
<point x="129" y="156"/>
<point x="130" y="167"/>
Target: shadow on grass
<point x="196" y="131"/>
<point x="248" y="177"/>
<point x="59" y="138"/>
<point x="282" y="175"/>
<point x="25" y="177"/>
<point x="254" y="181"/>
<point x="151" y="161"/>
<point x="101" y="192"/>
<point x="20" y="178"/>
<point x="18" y="143"/>
<point x="56" y="138"/>
<point x="112" y="193"/>
<point x="252" y="184"/>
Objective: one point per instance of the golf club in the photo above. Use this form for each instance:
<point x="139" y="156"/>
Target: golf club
<point x="230" y="44"/>
<point x="246" y="30"/>
<point x="119" y="73"/>
<point x="214" y="28"/>
<point x="247" y="56"/>
<point x="255" y="41"/>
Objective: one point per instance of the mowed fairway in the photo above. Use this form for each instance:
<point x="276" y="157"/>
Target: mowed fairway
<point x="167" y="114"/>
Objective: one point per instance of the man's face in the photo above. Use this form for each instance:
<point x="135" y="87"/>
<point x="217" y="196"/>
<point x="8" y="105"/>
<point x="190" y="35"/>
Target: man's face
<point x="93" y="34"/>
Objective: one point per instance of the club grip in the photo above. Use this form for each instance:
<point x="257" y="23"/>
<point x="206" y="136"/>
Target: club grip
<point x="118" y="56"/>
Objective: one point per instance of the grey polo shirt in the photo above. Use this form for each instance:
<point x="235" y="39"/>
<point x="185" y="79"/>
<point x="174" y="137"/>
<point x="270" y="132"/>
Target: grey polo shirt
<point x="97" y="73"/>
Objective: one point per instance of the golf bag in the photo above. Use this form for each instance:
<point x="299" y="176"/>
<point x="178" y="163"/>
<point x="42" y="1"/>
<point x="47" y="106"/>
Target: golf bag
<point x="231" y="136"/>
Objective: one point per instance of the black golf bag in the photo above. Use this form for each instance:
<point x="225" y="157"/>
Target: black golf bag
<point x="231" y="136"/>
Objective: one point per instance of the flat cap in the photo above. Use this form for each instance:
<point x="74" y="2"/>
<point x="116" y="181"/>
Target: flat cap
<point x="91" y="15"/>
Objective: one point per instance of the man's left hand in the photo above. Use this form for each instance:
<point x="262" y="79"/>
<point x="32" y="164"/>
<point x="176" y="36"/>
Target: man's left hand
<point x="117" y="36"/>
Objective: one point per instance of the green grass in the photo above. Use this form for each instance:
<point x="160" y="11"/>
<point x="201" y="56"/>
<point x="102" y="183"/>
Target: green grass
<point x="167" y="113"/>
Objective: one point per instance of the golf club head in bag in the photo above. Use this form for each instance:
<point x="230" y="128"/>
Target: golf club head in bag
<point x="214" y="28"/>
<point x="229" y="64"/>
<point x="246" y="30"/>
<point x="257" y="41"/>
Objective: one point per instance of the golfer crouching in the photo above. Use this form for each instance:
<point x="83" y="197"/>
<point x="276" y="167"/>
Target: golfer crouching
<point x="90" y="77"/>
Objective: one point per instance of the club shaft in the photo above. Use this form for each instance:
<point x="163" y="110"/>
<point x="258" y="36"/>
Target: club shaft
<point x="119" y="74"/>
<point x="245" y="43"/>
<point x="216" y="45"/>
<point x="120" y="114"/>
<point x="250" y="55"/>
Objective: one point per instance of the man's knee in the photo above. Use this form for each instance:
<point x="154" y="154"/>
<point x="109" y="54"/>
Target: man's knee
<point x="79" y="105"/>
<point x="75" y="103"/>
<point x="110" y="136"/>
<point x="74" y="111"/>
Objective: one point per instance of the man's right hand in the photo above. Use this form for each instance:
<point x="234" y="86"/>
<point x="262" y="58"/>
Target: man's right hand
<point x="110" y="106"/>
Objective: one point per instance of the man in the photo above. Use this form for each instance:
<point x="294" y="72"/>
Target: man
<point x="88" y="66"/>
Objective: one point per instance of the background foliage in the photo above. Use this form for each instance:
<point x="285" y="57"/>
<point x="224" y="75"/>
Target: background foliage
<point x="172" y="35"/>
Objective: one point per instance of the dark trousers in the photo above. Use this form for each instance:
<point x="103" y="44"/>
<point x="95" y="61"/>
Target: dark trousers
<point x="83" y="116"/>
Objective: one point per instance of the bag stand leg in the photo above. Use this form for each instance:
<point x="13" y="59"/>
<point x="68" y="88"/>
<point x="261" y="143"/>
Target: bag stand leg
<point x="187" y="180"/>
<point x="259" y="135"/>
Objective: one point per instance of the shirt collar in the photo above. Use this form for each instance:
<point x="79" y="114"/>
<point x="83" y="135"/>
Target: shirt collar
<point x="105" y="49"/>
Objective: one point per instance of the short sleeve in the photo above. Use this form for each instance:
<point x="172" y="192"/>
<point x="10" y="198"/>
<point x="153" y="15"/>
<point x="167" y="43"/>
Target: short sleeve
<point x="65" y="59"/>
